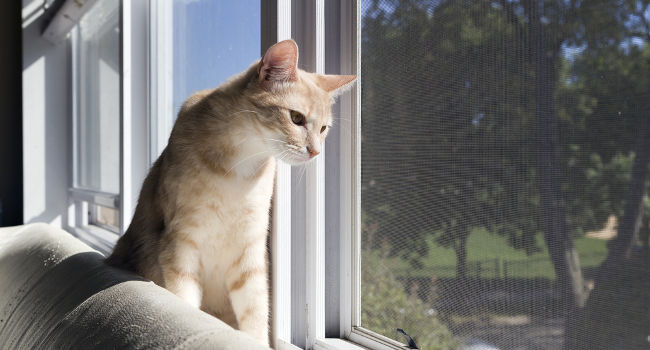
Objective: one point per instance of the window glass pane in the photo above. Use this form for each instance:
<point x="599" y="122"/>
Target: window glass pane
<point x="98" y="99"/>
<point x="213" y="40"/>
<point x="106" y="217"/>
<point x="504" y="173"/>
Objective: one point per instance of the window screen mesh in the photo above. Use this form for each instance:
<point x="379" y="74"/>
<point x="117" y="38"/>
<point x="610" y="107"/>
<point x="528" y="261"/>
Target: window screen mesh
<point x="504" y="173"/>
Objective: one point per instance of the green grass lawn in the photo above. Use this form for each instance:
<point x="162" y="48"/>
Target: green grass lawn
<point x="494" y="252"/>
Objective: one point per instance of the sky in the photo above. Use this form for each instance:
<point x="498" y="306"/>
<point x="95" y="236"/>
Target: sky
<point x="213" y="40"/>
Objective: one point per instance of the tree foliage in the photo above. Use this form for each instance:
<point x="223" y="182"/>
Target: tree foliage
<point x="449" y="118"/>
<point x="444" y="136"/>
<point x="452" y="96"/>
<point x="386" y="306"/>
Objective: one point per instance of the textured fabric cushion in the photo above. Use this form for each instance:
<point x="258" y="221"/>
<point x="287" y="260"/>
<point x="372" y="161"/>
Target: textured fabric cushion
<point x="56" y="293"/>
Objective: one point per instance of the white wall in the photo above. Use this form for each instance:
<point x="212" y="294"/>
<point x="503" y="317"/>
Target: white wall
<point x="47" y="111"/>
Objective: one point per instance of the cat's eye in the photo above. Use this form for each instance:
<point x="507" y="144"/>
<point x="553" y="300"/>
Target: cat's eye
<point x="322" y="130"/>
<point x="297" y="118"/>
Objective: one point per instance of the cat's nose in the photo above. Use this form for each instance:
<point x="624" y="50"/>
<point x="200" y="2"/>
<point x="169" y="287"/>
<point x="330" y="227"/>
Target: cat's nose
<point x="312" y="152"/>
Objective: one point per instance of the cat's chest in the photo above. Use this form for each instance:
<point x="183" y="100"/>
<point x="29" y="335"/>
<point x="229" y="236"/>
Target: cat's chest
<point x="233" y="215"/>
<point x="223" y="210"/>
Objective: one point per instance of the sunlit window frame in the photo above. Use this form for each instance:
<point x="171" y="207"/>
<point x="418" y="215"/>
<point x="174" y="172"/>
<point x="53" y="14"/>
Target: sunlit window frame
<point x="133" y="126"/>
<point x="345" y="51"/>
<point x="298" y="241"/>
<point x="348" y="53"/>
<point x="312" y="24"/>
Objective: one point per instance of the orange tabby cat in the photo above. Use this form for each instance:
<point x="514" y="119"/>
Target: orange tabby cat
<point x="201" y="222"/>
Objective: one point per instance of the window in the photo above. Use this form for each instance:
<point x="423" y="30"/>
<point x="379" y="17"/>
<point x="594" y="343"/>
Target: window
<point x="498" y="184"/>
<point x="485" y="184"/>
<point x="98" y="105"/>
<point x="197" y="45"/>
<point x="96" y="146"/>
<point x="123" y="75"/>
<point x="213" y="40"/>
<point x="109" y="146"/>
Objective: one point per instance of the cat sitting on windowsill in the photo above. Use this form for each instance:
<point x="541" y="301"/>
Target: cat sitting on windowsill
<point x="200" y="225"/>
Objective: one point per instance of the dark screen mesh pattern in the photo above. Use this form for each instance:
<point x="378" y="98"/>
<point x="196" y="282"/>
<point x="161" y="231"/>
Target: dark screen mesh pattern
<point x="505" y="155"/>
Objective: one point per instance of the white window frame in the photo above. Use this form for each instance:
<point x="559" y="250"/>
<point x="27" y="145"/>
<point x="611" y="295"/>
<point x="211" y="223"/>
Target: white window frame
<point x="134" y="140"/>
<point x="276" y="26"/>
<point x="161" y="75"/>
<point x="298" y="302"/>
<point x="310" y="26"/>
<point x="298" y="231"/>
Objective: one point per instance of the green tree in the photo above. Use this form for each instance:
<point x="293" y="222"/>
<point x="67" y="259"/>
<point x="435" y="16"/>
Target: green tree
<point x="475" y="115"/>
<point x="616" y="313"/>
<point x="385" y="306"/>
<point x="438" y="88"/>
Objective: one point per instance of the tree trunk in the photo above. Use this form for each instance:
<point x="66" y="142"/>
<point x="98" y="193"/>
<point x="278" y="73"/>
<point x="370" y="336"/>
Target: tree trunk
<point x="563" y="254"/>
<point x="460" y="247"/>
<point x="616" y="314"/>
<point x="633" y="211"/>
<point x="644" y="237"/>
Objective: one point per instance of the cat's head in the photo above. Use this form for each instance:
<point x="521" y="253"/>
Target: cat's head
<point x="295" y="105"/>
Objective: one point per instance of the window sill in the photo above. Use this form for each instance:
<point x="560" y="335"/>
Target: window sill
<point x="96" y="237"/>
<point x="360" y="339"/>
<point x="336" y="344"/>
<point x="373" y="340"/>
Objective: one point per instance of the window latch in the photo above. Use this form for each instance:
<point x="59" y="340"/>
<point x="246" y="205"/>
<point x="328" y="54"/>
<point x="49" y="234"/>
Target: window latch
<point x="409" y="340"/>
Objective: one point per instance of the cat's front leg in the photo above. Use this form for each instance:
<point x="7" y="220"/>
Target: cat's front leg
<point x="180" y="264"/>
<point x="248" y="290"/>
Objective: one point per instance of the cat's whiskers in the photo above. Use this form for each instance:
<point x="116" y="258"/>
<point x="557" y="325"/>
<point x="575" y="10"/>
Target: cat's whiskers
<point x="344" y="127"/>
<point x="336" y="122"/>
<point x="283" y="142"/>
<point x="242" y="111"/>
<point x="247" y="158"/>
<point x="292" y="152"/>
<point x="346" y="131"/>
<point x="282" y="155"/>
<point x="241" y="142"/>
<point x="341" y="118"/>
<point x="302" y="173"/>
<point x="260" y="166"/>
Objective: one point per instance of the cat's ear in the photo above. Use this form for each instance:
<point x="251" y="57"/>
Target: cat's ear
<point x="335" y="84"/>
<point x="279" y="63"/>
